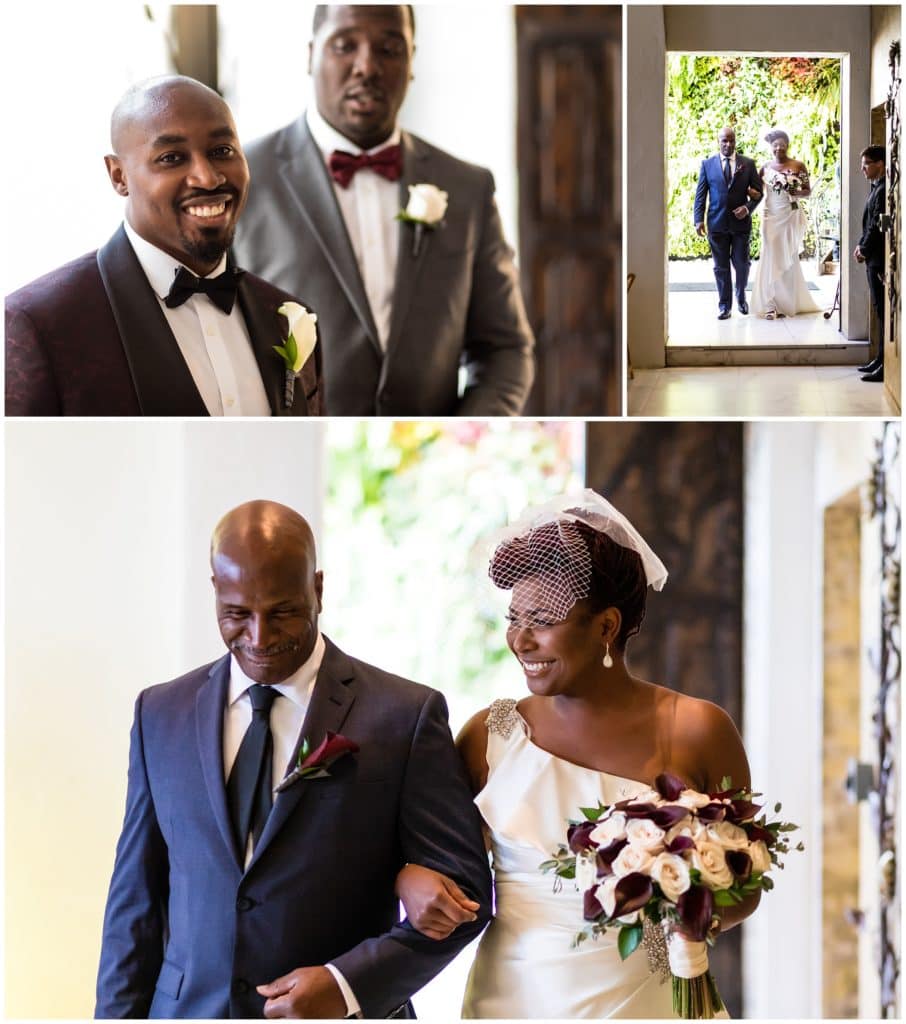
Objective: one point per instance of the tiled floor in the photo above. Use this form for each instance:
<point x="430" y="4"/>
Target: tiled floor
<point x="753" y="391"/>
<point x="693" y="319"/>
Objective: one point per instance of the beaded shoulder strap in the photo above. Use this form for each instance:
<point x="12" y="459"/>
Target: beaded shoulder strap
<point x="502" y="717"/>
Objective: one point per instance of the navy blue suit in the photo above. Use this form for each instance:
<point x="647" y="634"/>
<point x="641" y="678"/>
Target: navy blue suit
<point x="190" y="932"/>
<point x="728" y="235"/>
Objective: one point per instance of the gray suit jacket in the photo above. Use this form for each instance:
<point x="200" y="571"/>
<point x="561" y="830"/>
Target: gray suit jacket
<point x="457" y="302"/>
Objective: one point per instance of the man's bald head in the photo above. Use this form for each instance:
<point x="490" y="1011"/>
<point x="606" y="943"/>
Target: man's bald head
<point x="148" y="99"/>
<point x="267" y="589"/>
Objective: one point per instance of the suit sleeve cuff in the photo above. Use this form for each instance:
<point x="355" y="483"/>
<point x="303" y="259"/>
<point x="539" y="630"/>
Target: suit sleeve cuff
<point x="352" y="1004"/>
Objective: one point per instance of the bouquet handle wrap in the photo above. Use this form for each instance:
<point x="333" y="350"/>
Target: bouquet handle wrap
<point x="688" y="959"/>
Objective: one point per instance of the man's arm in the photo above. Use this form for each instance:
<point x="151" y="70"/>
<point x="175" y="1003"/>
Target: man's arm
<point x="872" y="240"/>
<point x="499" y="341"/>
<point x="756" y="185"/>
<point x="30" y="389"/>
<point x="134" y="921"/>
<point x="701" y="193"/>
<point x="440" y="828"/>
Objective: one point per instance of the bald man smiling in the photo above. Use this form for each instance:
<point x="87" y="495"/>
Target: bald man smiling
<point x="158" y="322"/>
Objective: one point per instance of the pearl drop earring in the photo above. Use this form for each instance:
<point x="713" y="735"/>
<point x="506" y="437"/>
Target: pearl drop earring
<point x="607" y="661"/>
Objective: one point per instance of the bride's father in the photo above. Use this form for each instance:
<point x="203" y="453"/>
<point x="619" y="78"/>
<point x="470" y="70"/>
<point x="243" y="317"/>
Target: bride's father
<point x="730" y="186"/>
<point x="404" y="306"/>
<point x="158" y="322"/>
<point x="230" y="901"/>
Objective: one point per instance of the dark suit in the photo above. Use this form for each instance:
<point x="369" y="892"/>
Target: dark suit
<point x="456" y="303"/>
<point x="872" y="245"/>
<point x="189" y="933"/>
<point x="728" y="235"/>
<point x="90" y="339"/>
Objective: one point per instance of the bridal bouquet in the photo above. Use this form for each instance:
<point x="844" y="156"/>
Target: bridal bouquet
<point x="660" y="863"/>
<point x="791" y="183"/>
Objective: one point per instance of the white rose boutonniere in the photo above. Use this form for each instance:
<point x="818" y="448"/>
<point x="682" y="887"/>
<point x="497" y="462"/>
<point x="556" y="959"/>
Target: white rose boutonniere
<point x="426" y="208"/>
<point x="301" y="339"/>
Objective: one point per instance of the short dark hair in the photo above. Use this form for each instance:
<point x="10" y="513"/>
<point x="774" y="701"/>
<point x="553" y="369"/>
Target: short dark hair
<point x="321" y="14"/>
<point x="617" y="579"/>
<point x="875" y="153"/>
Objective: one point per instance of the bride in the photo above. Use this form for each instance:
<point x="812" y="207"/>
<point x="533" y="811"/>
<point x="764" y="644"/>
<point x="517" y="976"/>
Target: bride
<point x="780" y="288"/>
<point x="588" y="731"/>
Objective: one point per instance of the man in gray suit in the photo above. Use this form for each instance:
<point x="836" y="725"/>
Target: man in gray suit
<point x="402" y="303"/>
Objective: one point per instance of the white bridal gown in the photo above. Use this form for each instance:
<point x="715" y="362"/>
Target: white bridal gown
<point x="525" y="966"/>
<point x="779" y="283"/>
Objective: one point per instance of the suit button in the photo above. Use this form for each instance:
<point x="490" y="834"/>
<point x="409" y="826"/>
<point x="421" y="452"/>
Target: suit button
<point x="244" y="903"/>
<point x="240" y="986"/>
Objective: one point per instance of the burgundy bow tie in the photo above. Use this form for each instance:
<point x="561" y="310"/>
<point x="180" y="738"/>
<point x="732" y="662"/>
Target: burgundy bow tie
<point x="387" y="162"/>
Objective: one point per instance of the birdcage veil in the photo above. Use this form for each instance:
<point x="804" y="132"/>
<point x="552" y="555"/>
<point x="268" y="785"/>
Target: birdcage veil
<point x="544" y="543"/>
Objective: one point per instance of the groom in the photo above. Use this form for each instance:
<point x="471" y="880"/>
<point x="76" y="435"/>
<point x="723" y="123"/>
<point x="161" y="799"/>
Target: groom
<point x="408" y="311"/>
<point x="731" y="186"/>
<point x="229" y="901"/>
<point x="870" y="249"/>
<point x="157" y="322"/>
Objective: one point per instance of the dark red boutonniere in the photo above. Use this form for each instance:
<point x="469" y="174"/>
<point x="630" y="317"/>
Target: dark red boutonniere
<point x="314" y="764"/>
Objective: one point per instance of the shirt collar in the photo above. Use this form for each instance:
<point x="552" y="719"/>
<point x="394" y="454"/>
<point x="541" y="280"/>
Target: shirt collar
<point x="329" y="139"/>
<point x="160" y="267"/>
<point x="296" y="687"/>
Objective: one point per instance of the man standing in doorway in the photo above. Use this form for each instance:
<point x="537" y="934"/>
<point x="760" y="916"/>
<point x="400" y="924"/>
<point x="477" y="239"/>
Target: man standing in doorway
<point x="870" y="249"/>
<point x="730" y="186"/>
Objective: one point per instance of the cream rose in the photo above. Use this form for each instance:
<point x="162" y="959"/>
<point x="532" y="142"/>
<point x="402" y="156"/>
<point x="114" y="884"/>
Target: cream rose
<point x="690" y="827"/>
<point x="427" y="203"/>
<point x="689" y="798"/>
<point x="727" y="835"/>
<point x="631" y="858"/>
<point x="302" y="329"/>
<point x="709" y="859"/>
<point x="645" y="835"/>
<point x="761" y="858"/>
<point x="671" y="872"/>
<point x="609" y="830"/>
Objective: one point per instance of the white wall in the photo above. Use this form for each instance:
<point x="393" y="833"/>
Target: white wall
<point x="793" y="471"/>
<point x="463" y="97"/>
<point x="107" y="591"/>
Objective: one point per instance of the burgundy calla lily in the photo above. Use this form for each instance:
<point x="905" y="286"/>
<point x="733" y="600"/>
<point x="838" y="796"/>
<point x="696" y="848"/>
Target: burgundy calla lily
<point x="606" y="855"/>
<point x="591" y="906"/>
<point x="577" y="836"/>
<point x="740" y="863"/>
<point x="742" y="810"/>
<point x="695" y="907"/>
<point x="756" y="832"/>
<point x="712" y="812"/>
<point x="632" y="892"/>
<point x="669" y="786"/>
<point x="639" y="810"/>
<point x="679" y="844"/>
<point x="667" y="816"/>
<point x="332" y="747"/>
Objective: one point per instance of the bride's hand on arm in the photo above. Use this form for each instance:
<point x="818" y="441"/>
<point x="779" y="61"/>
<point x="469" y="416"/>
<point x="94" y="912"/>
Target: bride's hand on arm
<point x="435" y="905"/>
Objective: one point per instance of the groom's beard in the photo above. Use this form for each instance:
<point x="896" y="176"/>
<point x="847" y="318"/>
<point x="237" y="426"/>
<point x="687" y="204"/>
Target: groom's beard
<point x="210" y="247"/>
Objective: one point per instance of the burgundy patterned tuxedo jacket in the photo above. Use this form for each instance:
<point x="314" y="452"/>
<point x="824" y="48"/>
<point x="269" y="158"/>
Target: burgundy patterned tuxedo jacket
<point x="90" y="339"/>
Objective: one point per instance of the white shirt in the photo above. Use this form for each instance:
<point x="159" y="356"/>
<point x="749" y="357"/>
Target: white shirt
<point x="286" y="718"/>
<point x="369" y="206"/>
<point x="214" y="344"/>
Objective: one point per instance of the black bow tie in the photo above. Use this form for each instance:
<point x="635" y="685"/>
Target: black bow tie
<point x="221" y="290"/>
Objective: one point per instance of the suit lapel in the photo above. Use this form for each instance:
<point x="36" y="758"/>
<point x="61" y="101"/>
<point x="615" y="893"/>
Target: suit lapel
<point x="318" y="204"/>
<point x="209" y="705"/>
<point x="162" y="380"/>
<point x="266" y="327"/>
<point x="332" y="697"/>
<point x="416" y="170"/>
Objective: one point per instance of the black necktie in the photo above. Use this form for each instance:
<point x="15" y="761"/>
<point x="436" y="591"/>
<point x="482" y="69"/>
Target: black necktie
<point x="727" y="171"/>
<point x="249" y="784"/>
<point x="221" y="289"/>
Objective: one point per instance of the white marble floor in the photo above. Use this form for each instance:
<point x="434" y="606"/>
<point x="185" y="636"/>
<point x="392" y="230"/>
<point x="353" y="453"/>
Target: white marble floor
<point x="755" y="391"/>
<point x="692" y="315"/>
